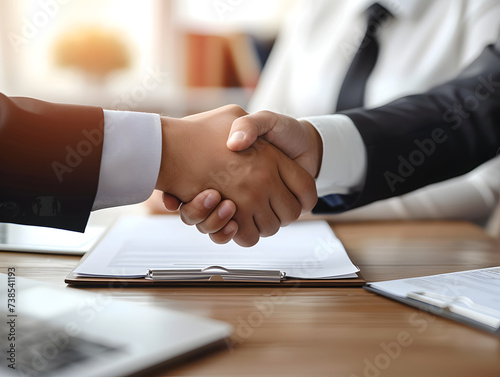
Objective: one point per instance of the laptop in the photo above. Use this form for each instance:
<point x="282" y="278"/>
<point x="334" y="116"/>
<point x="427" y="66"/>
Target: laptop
<point x="37" y="239"/>
<point x="60" y="332"/>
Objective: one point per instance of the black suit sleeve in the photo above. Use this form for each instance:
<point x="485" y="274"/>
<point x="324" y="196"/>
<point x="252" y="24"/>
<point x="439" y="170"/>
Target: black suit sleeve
<point x="422" y="139"/>
<point x="50" y="156"/>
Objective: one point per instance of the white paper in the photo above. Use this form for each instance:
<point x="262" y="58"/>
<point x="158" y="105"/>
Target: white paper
<point x="481" y="286"/>
<point x="306" y="250"/>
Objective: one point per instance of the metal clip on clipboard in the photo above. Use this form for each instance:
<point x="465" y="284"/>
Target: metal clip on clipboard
<point x="473" y="311"/>
<point x="216" y="274"/>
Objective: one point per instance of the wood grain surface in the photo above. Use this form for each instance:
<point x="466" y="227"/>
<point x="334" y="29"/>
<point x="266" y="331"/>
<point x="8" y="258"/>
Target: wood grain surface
<point x="329" y="331"/>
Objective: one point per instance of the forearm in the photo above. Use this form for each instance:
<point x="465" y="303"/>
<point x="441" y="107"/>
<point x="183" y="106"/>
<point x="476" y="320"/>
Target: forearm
<point x="446" y="132"/>
<point x="49" y="162"/>
<point x="426" y="138"/>
<point x="58" y="162"/>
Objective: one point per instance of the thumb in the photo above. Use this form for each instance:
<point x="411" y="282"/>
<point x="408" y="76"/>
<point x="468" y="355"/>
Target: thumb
<point x="244" y="132"/>
<point x="285" y="133"/>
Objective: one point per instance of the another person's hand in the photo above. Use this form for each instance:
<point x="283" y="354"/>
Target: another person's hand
<point x="210" y="214"/>
<point x="298" y="139"/>
<point x="268" y="189"/>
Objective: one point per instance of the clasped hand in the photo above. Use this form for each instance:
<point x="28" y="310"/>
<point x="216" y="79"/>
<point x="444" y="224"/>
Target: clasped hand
<point x="243" y="188"/>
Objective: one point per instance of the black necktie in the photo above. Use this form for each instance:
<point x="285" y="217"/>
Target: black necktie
<point x="352" y="92"/>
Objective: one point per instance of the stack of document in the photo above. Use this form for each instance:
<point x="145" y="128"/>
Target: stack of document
<point x="471" y="297"/>
<point x="142" y="247"/>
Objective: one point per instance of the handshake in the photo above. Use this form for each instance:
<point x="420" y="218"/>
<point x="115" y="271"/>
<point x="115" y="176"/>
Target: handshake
<point x="239" y="176"/>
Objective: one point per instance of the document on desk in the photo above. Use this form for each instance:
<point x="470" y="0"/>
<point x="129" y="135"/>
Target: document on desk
<point x="473" y="295"/>
<point x="135" y="245"/>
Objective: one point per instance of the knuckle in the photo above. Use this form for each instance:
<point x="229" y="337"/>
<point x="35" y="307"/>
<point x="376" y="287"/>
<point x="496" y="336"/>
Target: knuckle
<point x="264" y="177"/>
<point x="292" y="213"/>
<point x="270" y="230"/>
<point x="265" y="113"/>
<point x="219" y="238"/>
<point x="210" y="225"/>
<point x="188" y="218"/>
<point x="236" y="109"/>
<point x="270" y="116"/>
<point x="246" y="239"/>
<point x="202" y="228"/>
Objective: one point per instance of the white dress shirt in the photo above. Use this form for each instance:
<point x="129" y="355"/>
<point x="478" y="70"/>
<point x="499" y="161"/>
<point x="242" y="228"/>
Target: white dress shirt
<point x="429" y="42"/>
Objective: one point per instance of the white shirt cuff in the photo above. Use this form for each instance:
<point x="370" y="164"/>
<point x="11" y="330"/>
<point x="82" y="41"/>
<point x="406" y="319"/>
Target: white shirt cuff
<point x="343" y="167"/>
<point x="131" y="157"/>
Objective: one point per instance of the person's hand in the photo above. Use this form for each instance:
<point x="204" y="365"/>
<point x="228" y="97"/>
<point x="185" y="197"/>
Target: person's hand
<point x="298" y="139"/>
<point x="268" y="188"/>
<point x="210" y="214"/>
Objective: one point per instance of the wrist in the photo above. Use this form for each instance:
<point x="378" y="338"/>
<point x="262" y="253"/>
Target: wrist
<point x="169" y="154"/>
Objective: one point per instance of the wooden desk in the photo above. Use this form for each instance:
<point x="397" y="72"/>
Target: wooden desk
<point x="331" y="331"/>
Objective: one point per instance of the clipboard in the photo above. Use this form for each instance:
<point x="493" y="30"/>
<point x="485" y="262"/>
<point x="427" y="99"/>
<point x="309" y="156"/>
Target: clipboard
<point x="441" y="310"/>
<point x="121" y="248"/>
<point x="199" y="278"/>
<point x="96" y="282"/>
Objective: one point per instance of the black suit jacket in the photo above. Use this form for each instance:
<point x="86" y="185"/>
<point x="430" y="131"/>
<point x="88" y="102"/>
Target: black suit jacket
<point x="50" y="156"/>
<point x="422" y="139"/>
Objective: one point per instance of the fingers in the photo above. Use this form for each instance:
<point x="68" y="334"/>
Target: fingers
<point x="268" y="223"/>
<point x="210" y="215"/>
<point x="248" y="234"/>
<point x="279" y="205"/>
<point x="299" y="182"/>
<point x="286" y="206"/>
<point x="219" y="218"/>
<point x="280" y="190"/>
<point x="247" y="237"/>
<point x="200" y="207"/>
<point x="170" y="202"/>
<point x="226" y="234"/>
<point x="266" y="219"/>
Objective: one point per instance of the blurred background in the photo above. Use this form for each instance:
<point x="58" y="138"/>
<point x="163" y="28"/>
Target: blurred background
<point x="173" y="57"/>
